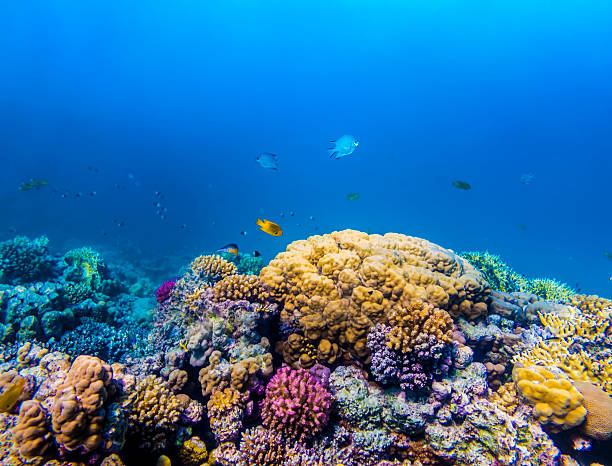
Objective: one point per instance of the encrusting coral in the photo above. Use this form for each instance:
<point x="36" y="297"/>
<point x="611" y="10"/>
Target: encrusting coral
<point x="340" y="285"/>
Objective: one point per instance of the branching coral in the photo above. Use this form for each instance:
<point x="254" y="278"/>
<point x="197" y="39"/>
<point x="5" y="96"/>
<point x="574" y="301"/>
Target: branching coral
<point x="212" y="268"/>
<point x="225" y="409"/>
<point x="193" y="452"/>
<point x="78" y="413"/>
<point x="338" y="286"/>
<point x="496" y="272"/>
<point x="549" y="289"/>
<point x="239" y="287"/>
<point x="296" y="404"/>
<point x="593" y="304"/>
<point x="155" y="410"/>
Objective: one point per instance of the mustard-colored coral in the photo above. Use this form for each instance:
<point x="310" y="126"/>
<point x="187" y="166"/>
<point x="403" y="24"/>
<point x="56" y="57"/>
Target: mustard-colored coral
<point x="78" y="414"/>
<point x="225" y="414"/>
<point x="506" y="398"/>
<point x="194" y="299"/>
<point x="31" y="434"/>
<point x="412" y="319"/>
<point x="555" y="400"/>
<point x="239" y="287"/>
<point x="592" y="304"/>
<point x="338" y="286"/>
<point x="112" y="460"/>
<point x="193" y="452"/>
<point x="155" y="411"/>
<point x="213" y="267"/>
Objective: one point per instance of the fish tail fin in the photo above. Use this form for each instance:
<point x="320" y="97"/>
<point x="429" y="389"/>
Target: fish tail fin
<point x="259" y="223"/>
<point x="333" y="155"/>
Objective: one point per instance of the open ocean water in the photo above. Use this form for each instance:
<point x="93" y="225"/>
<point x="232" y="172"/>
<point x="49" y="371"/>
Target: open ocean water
<point x="134" y="129"/>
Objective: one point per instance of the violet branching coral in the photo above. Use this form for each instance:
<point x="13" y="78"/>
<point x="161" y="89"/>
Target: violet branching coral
<point x="296" y="404"/>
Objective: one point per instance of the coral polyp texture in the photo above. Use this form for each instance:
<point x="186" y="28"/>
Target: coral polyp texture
<point x="347" y="349"/>
<point x="296" y="404"/>
<point x="336" y="287"/>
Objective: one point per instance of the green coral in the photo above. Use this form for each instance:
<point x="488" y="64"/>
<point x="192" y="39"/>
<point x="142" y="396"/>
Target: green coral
<point x="83" y="275"/>
<point x="500" y="276"/>
<point x="246" y="264"/>
<point x="23" y="260"/>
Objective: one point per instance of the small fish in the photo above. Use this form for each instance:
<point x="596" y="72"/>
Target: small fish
<point x="11" y="394"/>
<point x="163" y="460"/>
<point x="269" y="227"/>
<point x="243" y="233"/>
<point x="608" y="254"/>
<point x="462" y="185"/>
<point x="77" y="194"/>
<point x="104" y="233"/>
<point x="183" y="226"/>
<point x="230" y="248"/>
<point x="93" y="169"/>
<point x="156" y="204"/>
<point x="343" y="146"/>
<point x="158" y="193"/>
<point x="311" y="218"/>
<point x="282" y="214"/>
<point x="292" y="214"/>
<point x="267" y="160"/>
<point x="353" y="196"/>
<point x="527" y="178"/>
<point x="522" y="227"/>
<point x="92" y="193"/>
<point x="256" y="253"/>
<point x="32" y="184"/>
<point x="163" y="217"/>
<point x="117" y="186"/>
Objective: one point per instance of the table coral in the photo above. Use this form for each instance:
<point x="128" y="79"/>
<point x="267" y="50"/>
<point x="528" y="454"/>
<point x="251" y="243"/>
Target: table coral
<point x="296" y="404"/>
<point x="555" y="400"/>
<point x="78" y="414"/>
<point x="341" y="284"/>
<point x="212" y="268"/>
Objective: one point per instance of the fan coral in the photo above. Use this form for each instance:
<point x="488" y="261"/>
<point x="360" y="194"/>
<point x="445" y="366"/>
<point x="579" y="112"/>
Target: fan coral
<point x="155" y="412"/>
<point x="212" y="268"/>
<point x="23" y="260"/>
<point x="296" y="404"/>
<point x="555" y="400"/>
<point x="78" y="413"/>
<point x="239" y="287"/>
<point x="341" y="284"/>
<point x="163" y="292"/>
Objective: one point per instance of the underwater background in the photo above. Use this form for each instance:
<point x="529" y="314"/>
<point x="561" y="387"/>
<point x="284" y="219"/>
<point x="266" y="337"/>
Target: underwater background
<point x="182" y="97"/>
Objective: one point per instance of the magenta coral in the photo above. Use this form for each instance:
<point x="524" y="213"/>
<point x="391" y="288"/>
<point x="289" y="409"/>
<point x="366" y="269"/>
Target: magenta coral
<point x="296" y="404"/>
<point x="163" y="292"/>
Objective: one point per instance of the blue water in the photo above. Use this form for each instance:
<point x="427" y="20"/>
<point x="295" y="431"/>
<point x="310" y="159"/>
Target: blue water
<point x="184" y="95"/>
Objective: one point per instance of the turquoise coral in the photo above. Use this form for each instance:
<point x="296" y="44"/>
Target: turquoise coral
<point x="23" y="260"/>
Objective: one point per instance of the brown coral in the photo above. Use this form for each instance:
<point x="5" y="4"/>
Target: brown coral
<point x="213" y="268"/>
<point x="338" y="286"/>
<point x="409" y="321"/>
<point x="31" y="434"/>
<point x="239" y="287"/>
<point x="598" y="424"/>
<point x="155" y="411"/>
<point x="77" y="415"/>
<point x="177" y="380"/>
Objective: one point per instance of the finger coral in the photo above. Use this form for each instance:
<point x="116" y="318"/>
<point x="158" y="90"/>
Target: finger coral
<point x="296" y="404"/>
<point x="239" y="287"/>
<point x="555" y="400"/>
<point x="78" y="415"/>
<point x="212" y="268"/>
<point x="339" y="285"/>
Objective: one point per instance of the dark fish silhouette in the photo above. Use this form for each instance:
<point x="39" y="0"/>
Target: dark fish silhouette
<point x="462" y="185"/>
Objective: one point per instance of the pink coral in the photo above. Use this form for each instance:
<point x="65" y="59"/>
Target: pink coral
<point x="296" y="404"/>
<point x="163" y="292"/>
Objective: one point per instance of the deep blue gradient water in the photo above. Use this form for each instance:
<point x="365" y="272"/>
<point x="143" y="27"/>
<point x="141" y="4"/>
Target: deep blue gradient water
<point x="180" y="97"/>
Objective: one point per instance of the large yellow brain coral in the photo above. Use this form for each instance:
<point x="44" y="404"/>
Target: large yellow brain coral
<point x="334" y="288"/>
<point x="555" y="400"/>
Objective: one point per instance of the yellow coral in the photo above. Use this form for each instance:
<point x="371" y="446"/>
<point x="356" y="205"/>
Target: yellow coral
<point x="412" y="320"/>
<point x="213" y="267"/>
<point x="592" y="304"/>
<point x="193" y="452"/>
<point x="194" y="299"/>
<point x="239" y="287"/>
<point x="506" y="398"/>
<point x="555" y="400"/>
<point x="339" y="285"/>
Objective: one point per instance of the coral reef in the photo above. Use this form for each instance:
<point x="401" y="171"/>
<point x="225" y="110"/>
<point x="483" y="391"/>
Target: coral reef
<point x="163" y="292"/>
<point x="339" y="286"/>
<point x="213" y="267"/>
<point x="23" y="260"/>
<point x="238" y="288"/>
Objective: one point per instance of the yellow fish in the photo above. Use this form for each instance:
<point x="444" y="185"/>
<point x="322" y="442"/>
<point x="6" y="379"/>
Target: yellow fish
<point x="163" y="460"/>
<point x="269" y="227"/>
<point x="11" y="394"/>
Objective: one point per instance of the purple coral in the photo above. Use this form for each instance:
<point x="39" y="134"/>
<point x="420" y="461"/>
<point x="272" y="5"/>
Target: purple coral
<point x="296" y="404"/>
<point x="163" y="292"/>
<point x="414" y="371"/>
